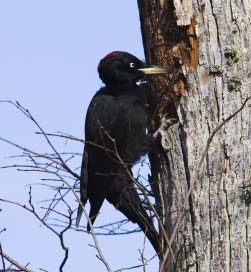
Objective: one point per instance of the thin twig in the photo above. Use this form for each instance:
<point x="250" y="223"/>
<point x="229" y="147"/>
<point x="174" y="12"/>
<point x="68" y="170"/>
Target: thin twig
<point x="14" y="262"/>
<point x="89" y="220"/>
<point x="27" y="113"/>
<point x="2" y="230"/>
<point x="65" y="248"/>
<point x="57" y="162"/>
<point x="142" y="257"/>
<point x="128" y="268"/>
<point x="141" y="188"/>
<point x="1" y="251"/>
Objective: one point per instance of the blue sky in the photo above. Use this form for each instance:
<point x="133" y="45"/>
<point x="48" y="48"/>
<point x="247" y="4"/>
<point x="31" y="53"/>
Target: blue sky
<point x="49" y="51"/>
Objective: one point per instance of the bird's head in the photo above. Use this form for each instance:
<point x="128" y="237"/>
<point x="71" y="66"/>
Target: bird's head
<point x="122" y="70"/>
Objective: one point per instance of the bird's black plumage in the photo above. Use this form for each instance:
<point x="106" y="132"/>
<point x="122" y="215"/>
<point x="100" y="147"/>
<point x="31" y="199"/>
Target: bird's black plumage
<point x="115" y="131"/>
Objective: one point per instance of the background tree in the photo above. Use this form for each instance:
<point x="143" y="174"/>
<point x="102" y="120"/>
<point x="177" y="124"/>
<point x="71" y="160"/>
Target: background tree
<point x="201" y="164"/>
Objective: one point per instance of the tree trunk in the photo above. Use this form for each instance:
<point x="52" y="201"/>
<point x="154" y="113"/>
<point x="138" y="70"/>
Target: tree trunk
<point x="207" y="43"/>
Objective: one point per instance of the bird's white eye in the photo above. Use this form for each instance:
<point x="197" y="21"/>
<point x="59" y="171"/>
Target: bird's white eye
<point x="132" y="65"/>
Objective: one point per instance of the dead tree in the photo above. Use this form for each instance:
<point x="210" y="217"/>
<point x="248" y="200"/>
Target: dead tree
<point x="201" y="160"/>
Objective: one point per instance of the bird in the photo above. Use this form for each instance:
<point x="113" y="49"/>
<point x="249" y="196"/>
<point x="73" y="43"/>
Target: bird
<point x="115" y="139"/>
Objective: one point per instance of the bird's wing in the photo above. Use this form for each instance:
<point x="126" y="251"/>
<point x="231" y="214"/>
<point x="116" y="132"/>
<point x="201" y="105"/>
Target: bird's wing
<point x="102" y="122"/>
<point x="107" y="115"/>
<point x="108" y="118"/>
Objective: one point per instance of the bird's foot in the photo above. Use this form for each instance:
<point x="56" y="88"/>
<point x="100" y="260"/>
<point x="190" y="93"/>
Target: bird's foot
<point x="165" y="123"/>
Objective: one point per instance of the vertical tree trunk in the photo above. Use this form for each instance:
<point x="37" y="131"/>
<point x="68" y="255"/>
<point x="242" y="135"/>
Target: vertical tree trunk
<point x="207" y="43"/>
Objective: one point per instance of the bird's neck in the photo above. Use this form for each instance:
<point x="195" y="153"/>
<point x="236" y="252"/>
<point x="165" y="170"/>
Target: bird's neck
<point x="121" y="90"/>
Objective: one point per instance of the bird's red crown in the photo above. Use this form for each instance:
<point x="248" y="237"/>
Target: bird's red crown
<point x="108" y="56"/>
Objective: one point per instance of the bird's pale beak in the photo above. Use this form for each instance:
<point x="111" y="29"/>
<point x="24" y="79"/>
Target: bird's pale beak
<point x="154" y="70"/>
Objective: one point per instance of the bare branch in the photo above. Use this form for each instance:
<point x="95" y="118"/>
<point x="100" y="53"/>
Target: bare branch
<point x="141" y="188"/>
<point x="86" y="215"/>
<point x="29" y="115"/>
<point x="1" y="251"/>
<point x="55" y="164"/>
<point x="14" y="262"/>
<point x="2" y="230"/>
<point x="61" y="237"/>
<point x="128" y="268"/>
<point x="142" y="257"/>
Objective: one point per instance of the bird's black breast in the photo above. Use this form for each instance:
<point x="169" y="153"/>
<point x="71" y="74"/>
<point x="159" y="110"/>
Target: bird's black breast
<point x="121" y="117"/>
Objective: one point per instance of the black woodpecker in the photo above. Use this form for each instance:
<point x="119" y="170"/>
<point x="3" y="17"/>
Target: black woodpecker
<point x="115" y="134"/>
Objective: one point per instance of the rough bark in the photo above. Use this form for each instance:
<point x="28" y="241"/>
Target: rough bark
<point x="207" y="42"/>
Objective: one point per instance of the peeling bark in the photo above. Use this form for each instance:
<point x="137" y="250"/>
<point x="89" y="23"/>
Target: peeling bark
<point x="207" y="43"/>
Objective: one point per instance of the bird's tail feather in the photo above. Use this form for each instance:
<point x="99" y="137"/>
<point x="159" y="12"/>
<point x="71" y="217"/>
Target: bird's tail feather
<point x="80" y="212"/>
<point x="95" y="207"/>
<point x="83" y="186"/>
<point x="137" y="214"/>
<point x="125" y="198"/>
